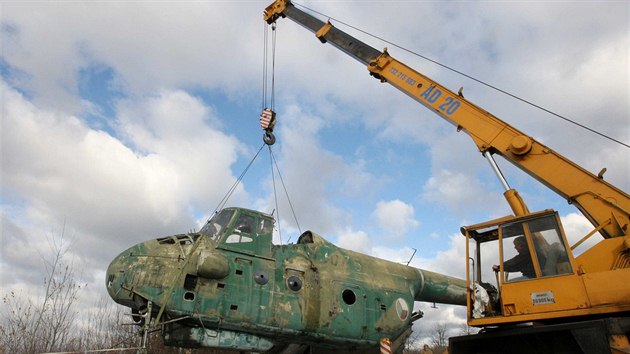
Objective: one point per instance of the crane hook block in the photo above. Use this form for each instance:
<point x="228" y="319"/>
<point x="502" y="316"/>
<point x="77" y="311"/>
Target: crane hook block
<point x="268" y="122"/>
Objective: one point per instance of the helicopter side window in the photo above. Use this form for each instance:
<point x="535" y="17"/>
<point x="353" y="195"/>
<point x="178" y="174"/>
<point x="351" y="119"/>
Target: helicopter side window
<point x="243" y="230"/>
<point x="216" y="226"/>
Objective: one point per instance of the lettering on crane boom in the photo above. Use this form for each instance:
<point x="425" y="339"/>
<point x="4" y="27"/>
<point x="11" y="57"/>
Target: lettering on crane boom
<point x="543" y="298"/>
<point x="404" y="77"/>
<point x="431" y="95"/>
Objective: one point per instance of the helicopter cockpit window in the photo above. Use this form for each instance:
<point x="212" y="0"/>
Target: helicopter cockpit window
<point x="217" y="224"/>
<point x="243" y="230"/>
<point x="244" y="224"/>
<point x="265" y="226"/>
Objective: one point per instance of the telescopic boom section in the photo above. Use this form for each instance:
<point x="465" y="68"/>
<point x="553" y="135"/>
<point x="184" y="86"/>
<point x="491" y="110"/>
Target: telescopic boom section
<point x="324" y="31"/>
<point x="606" y="207"/>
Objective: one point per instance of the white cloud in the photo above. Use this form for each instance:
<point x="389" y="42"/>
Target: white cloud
<point x="149" y="45"/>
<point x="395" y="217"/>
<point x="314" y="175"/>
<point x="178" y="130"/>
<point x="576" y="226"/>
<point x="458" y="191"/>
<point x="357" y="241"/>
<point x="110" y="194"/>
<point x="450" y="261"/>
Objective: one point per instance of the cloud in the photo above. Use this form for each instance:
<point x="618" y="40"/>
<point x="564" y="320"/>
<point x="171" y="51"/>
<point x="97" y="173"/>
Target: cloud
<point x="314" y="175"/>
<point x="576" y="226"/>
<point x="395" y="217"/>
<point x="357" y="241"/>
<point x="109" y="193"/>
<point x="123" y="36"/>
<point x="450" y="261"/>
<point x="458" y="191"/>
<point x="181" y="131"/>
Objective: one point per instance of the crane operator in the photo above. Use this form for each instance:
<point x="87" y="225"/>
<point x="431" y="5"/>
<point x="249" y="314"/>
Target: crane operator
<point x="522" y="262"/>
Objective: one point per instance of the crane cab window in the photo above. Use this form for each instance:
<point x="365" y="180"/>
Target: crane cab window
<point x="517" y="257"/>
<point x="533" y="248"/>
<point x="549" y="243"/>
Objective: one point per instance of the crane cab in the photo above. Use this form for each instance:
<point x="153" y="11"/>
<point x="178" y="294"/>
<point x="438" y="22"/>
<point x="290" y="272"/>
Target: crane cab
<point x="534" y="270"/>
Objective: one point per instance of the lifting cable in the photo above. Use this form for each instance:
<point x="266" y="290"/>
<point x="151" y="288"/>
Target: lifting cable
<point x="233" y="188"/>
<point x="265" y="77"/>
<point x="469" y="77"/>
<point x="268" y="116"/>
<point x="275" y="195"/>
<point x="275" y="163"/>
<point x="267" y="122"/>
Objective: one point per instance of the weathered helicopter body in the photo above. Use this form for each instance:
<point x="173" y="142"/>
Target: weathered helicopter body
<point x="229" y="287"/>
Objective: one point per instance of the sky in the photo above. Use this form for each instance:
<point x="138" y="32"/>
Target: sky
<point x="127" y="121"/>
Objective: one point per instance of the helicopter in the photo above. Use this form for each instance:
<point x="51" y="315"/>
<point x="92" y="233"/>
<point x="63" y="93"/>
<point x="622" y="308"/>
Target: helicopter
<point x="228" y="286"/>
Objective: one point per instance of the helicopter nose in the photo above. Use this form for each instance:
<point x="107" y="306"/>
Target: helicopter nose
<point x="120" y="273"/>
<point x="141" y="272"/>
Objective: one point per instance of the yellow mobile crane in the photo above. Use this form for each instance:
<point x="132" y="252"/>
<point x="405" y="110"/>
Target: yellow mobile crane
<point x="565" y="304"/>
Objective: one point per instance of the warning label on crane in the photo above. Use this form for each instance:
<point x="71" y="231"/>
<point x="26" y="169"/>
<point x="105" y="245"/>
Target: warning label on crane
<point x="543" y="298"/>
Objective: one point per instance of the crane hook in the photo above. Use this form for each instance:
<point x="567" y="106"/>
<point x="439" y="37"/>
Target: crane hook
<point x="268" y="122"/>
<point x="269" y="138"/>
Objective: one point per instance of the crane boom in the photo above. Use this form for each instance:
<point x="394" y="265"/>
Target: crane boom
<point x="604" y="205"/>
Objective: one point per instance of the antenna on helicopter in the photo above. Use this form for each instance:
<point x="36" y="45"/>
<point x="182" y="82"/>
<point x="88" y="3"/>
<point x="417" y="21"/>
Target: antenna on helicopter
<point x="414" y="253"/>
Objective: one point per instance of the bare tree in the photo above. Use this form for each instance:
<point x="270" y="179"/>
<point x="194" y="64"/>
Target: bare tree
<point x="15" y="327"/>
<point x="105" y="326"/>
<point x="439" y="337"/>
<point x="411" y="345"/>
<point x="45" y="324"/>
